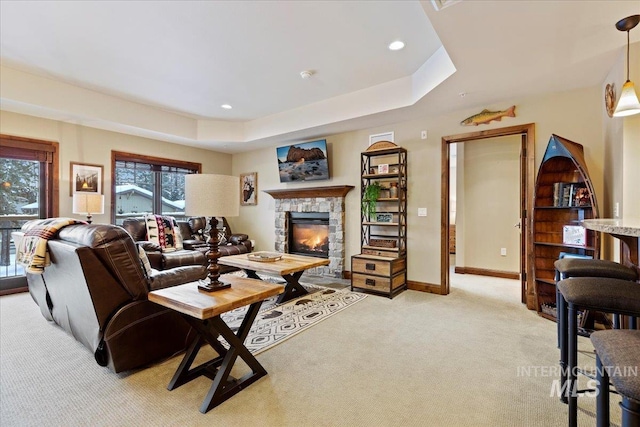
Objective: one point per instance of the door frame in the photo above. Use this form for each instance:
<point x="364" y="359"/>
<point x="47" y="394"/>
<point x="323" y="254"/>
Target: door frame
<point x="48" y="154"/>
<point x="527" y="184"/>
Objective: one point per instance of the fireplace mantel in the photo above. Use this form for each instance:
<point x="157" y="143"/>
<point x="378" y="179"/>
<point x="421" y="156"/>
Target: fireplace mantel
<point x="293" y="193"/>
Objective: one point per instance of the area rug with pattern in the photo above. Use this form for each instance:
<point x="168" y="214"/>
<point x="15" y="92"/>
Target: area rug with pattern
<point x="277" y="323"/>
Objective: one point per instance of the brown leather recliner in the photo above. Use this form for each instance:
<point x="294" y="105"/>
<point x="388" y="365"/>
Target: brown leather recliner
<point x="195" y="233"/>
<point x="198" y="229"/>
<point x="96" y="289"/>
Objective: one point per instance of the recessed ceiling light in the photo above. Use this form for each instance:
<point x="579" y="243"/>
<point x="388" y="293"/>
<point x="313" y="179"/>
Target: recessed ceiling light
<point x="226" y="106"/>
<point x="396" y="45"/>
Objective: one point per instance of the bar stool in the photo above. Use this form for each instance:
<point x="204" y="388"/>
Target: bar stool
<point x="591" y="293"/>
<point x="617" y="352"/>
<point x="586" y="267"/>
<point x="583" y="267"/>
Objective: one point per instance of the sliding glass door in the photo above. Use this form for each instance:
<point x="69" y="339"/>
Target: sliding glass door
<point x="28" y="190"/>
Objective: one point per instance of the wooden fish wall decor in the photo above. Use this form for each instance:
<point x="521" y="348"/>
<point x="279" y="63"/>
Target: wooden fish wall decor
<point x="485" y="116"/>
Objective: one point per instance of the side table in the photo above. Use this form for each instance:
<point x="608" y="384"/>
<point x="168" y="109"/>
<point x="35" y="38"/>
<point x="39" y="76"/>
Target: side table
<point x="202" y="310"/>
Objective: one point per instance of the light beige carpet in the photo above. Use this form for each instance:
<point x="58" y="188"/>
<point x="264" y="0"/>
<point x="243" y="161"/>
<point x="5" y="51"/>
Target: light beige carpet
<point x="276" y="323"/>
<point x="416" y="360"/>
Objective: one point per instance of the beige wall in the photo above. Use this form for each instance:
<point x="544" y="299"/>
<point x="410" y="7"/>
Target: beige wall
<point x="631" y="167"/>
<point x="90" y="145"/>
<point x="575" y="115"/>
<point x="631" y="146"/>
<point x="490" y="204"/>
<point x="621" y="137"/>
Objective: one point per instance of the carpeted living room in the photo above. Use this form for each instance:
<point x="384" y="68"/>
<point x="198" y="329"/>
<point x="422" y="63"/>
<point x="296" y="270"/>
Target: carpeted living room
<point x="367" y="365"/>
<point x="312" y="213"/>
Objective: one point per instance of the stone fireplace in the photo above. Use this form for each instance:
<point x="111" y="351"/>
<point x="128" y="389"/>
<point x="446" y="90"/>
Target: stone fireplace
<point x="305" y="209"/>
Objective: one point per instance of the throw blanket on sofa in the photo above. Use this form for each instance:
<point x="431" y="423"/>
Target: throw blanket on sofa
<point x="164" y="232"/>
<point x="32" y="250"/>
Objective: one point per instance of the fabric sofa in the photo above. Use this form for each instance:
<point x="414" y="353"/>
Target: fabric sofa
<point x="96" y="289"/>
<point x="194" y="235"/>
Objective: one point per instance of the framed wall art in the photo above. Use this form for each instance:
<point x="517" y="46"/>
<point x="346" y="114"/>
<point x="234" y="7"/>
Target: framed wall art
<point x="384" y="217"/>
<point x="85" y="178"/>
<point x="306" y="161"/>
<point x="249" y="189"/>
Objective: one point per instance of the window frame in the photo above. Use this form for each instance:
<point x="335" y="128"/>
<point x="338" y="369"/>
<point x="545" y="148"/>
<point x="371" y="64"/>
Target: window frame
<point x="122" y="156"/>
<point x="43" y="151"/>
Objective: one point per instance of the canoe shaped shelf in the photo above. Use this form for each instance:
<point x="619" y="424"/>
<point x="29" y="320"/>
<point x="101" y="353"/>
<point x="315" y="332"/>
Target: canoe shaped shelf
<point x="563" y="197"/>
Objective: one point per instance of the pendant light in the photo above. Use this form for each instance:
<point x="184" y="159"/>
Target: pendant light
<point x="628" y="103"/>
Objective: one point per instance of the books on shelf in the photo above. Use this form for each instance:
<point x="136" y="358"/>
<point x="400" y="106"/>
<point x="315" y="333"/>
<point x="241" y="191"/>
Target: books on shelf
<point x="568" y="194"/>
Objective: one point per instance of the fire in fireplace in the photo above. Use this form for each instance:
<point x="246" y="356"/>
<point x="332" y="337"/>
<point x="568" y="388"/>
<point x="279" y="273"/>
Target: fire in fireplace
<point x="309" y="233"/>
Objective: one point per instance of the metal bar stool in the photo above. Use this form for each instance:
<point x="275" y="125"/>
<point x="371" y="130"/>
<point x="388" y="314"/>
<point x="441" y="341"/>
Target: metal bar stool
<point x="591" y="293"/>
<point x="616" y="353"/>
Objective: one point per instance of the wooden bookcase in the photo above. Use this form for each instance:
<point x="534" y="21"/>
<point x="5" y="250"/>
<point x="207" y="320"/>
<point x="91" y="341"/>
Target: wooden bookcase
<point x="382" y="265"/>
<point x="563" y="197"/>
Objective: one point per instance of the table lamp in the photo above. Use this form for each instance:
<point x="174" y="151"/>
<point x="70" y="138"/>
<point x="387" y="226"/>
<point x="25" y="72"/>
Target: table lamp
<point x="85" y="203"/>
<point x="212" y="196"/>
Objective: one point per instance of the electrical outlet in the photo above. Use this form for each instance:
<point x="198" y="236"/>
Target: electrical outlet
<point x="422" y="211"/>
<point x="423" y="134"/>
<point x="616" y="210"/>
<point x="503" y="251"/>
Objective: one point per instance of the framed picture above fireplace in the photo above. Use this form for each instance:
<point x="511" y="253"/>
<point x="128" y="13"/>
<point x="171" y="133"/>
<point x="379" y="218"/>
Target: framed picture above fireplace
<point x="307" y="161"/>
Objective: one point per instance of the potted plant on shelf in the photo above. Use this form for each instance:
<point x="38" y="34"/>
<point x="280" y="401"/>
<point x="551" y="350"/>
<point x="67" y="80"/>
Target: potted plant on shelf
<point x="369" y="198"/>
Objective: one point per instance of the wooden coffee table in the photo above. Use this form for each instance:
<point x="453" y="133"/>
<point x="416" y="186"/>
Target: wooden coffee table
<point x="290" y="267"/>
<point x="202" y="310"/>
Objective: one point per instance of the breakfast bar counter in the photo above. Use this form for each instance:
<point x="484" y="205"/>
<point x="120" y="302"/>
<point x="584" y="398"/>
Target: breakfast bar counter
<point x="620" y="226"/>
<point x="627" y="230"/>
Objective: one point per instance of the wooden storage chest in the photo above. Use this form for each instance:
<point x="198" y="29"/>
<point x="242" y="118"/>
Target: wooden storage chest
<point x="379" y="274"/>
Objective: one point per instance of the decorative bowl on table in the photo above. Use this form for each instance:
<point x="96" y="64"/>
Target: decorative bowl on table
<point x="264" y="256"/>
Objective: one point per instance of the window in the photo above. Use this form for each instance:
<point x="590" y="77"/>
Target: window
<point x="28" y="190"/>
<point x="143" y="184"/>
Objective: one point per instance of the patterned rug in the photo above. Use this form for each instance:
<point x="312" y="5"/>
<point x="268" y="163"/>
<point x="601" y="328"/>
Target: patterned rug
<point x="277" y="323"/>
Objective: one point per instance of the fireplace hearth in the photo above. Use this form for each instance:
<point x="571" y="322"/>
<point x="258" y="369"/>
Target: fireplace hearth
<point x="308" y="233"/>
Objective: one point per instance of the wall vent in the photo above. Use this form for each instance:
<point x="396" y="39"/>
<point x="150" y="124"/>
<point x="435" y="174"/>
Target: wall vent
<point x="386" y="136"/>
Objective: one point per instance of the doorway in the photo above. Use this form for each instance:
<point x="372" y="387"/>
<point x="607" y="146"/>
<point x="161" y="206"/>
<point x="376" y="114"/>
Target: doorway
<point x="527" y="181"/>
<point x="484" y="206"/>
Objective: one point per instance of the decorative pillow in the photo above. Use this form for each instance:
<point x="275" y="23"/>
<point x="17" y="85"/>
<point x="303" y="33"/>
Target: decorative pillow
<point x="177" y="234"/>
<point x="144" y="259"/>
<point x="163" y="231"/>
<point x="222" y="236"/>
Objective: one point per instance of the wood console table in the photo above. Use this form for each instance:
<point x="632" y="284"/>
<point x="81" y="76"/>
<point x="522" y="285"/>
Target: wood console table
<point x="202" y="310"/>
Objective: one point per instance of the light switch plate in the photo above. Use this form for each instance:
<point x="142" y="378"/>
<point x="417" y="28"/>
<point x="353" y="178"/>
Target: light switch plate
<point x="422" y="211"/>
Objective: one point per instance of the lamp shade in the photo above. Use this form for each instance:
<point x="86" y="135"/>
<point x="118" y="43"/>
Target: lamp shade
<point x="88" y="203"/>
<point x="628" y="103"/>
<point x="212" y="195"/>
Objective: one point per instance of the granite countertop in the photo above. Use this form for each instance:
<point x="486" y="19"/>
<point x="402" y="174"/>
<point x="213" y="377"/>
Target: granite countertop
<point x="619" y="226"/>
